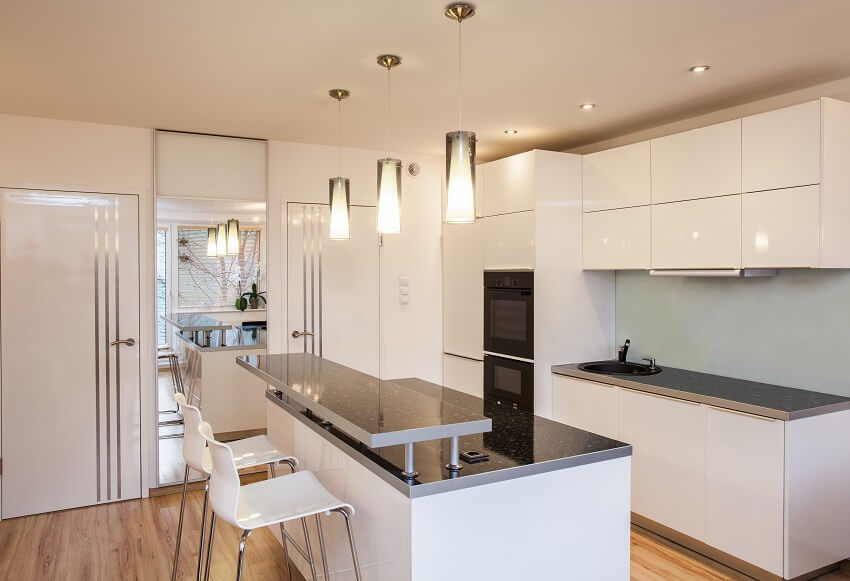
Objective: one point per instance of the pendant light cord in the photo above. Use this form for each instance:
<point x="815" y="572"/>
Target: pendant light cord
<point x="459" y="76"/>
<point x="389" y="109"/>
<point x="339" y="136"/>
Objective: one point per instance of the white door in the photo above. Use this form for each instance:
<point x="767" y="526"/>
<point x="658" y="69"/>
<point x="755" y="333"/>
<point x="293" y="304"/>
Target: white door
<point x="333" y="287"/>
<point x="69" y="288"/>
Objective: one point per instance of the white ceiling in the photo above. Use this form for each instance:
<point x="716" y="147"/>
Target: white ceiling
<point x="262" y="68"/>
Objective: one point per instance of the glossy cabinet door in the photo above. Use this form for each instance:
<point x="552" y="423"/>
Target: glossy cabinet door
<point x="586" y="405"/>
<point x="782" y="148"/>
<point x="616" y="178"/>
<point x="509" y="241"/>
<point x="617" y="239"/>
<point x="697" y="234"/>
<point x="509" y="185"/>
<point x="781" y="228"/>
<point x="744" y="495"/>
<point x="668" y="461"/>
<point x="700" y="163"/>
<point x="462" y="374"/>
<point x="463" y="289"/>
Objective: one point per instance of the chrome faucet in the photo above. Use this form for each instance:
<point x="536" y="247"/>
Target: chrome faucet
<point x="623" y="350"/>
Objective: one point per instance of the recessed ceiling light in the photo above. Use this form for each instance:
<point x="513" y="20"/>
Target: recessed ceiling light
<point x="699" y="68"/>
<point x="587" y="106"/>
<point x="511" y="131"/>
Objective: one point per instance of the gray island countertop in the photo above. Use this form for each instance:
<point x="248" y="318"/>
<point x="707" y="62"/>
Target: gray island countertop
<point x="518" y="444"/>
<point x="763" y="399"/>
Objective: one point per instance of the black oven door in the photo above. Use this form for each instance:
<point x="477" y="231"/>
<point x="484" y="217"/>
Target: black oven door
<point x="509" y="381"/>
<point x="509" y="322"/>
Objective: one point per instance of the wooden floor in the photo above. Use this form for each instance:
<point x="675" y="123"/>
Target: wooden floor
<point x="135" y="540"/>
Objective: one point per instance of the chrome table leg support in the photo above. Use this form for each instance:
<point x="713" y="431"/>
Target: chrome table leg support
<point x="203" y="526"/>
<point x="309" y="549"/>
<point x="344" y="512"/>
<point x="180" y="525"/>
<point x="322" y="547"/>
<point x="409" y="462"/>
<point x="245" y="535"/>
<point x="209" y="548"/>
<point x="454" y="455"/>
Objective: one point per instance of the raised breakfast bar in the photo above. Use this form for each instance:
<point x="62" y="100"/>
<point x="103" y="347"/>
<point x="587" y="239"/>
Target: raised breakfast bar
<point x="538" y="497"/>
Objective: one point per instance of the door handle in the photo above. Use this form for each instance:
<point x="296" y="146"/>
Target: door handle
<point x="128" y="342"/>
<point x="296" y="334"/>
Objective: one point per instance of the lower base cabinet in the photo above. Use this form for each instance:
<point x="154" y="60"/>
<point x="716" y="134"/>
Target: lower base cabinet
<point x="745" y="469"/>
<point x="463" y="374"/>
<point x="770" y="494"/>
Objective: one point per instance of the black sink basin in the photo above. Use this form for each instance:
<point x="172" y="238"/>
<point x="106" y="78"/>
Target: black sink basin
<point x="618" y="368"/>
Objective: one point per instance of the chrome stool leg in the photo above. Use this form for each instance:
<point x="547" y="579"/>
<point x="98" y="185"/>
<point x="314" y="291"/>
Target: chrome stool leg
<point x="354" y="558"/>
<point x="209" y="547"/>
<point x="245" y="535"/>
<point x="309" y="550"/>
<point x="322" y="547"/>
<point x="180" y="525"/>
<point x="203" y="526"/>
<point x="273" y="473"/>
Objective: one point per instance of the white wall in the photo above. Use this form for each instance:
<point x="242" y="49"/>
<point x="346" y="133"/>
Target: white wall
<point x="411" y="335"/>
<point x="67" y="155"/>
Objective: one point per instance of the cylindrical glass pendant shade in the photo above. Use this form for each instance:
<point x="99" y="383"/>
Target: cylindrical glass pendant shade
<point x="233" y="236"/>
<point x="389" y="196"/>
<point x="340" y="202"/>
<point x="460" y="177"/>
<point x="212" y="248"/>
<point x="221" y="241"/>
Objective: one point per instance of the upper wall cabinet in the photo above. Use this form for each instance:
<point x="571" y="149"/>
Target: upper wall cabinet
<point x="701" y="163"/>
<point x="509" y="241"/>
<point x="782" y="149"/>
<point x="616" y="178"/>
<point x="697" y="234"/>
<point x="509" y="185"/>
<point x="616" y="239"/>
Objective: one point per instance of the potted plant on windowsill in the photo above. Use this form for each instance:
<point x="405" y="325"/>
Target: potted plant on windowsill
<point x="251" y="298"/>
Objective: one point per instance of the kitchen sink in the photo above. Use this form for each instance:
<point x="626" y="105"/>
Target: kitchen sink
<point x="618" y="368"/>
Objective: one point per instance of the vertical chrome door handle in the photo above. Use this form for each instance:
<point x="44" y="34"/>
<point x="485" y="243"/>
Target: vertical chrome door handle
<point x="128" y="342"/>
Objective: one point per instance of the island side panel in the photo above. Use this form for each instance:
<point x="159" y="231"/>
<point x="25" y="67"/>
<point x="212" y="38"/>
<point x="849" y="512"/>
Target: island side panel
<point x="382" y="514"/>
<point x="567" y="524"/>
<point x="233" y="401"/>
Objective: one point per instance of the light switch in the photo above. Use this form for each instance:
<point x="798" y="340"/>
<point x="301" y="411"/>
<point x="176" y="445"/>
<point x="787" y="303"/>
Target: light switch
<point x="404" y="299"/>
<point x="403" y="290"/>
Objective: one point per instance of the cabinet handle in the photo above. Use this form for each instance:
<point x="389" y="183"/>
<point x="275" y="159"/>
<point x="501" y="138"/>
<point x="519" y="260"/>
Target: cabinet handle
<point x="749" y="415"/>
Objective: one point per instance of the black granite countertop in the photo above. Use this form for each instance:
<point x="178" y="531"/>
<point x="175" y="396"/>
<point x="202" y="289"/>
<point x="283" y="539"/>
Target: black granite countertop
<point x="764" y="399"/>
<point x="236" y="339"/>
<point x="374" y="411"/>
<point x="519" y="444"/>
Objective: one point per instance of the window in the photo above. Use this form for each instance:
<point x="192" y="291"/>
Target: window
<point x="204" y="281"/>
<point x="161" y="282"/>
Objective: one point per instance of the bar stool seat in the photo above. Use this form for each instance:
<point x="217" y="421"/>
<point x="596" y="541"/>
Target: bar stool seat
<point x="248" y="452"/>
<point x="282" y="499"/>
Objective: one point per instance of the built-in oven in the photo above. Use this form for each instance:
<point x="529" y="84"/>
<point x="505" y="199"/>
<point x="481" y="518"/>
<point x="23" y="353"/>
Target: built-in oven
<point x="509" y="313"/>
<point x="509" y="381"/>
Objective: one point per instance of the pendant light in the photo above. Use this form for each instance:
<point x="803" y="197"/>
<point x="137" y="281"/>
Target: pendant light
<point x="389" y="169"/>
<point x="233" y="236"/>
<point x="460" y="145"/>
<point x="221" y="241"/>
<point x="340" y="198"/>
<point x="212" y="247"/>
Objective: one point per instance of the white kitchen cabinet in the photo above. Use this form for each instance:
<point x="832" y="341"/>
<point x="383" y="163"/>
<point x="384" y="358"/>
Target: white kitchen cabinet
<point x="617" y="178"/>
<point x="668" y="459"/>
<point x="781" y="228"/>
<point x="509" y="241"/>
<point x="782" y="148"/>
<point x="697" y="234"/>
<point x="463" y="289"/>
<point x="586" y="405"/>
<point x="617" y="239"/>
<point x="744" y="496"/>
<point x="462" y="374"/>
<point x="509" y="184"/>
<point x="700" y="163"/>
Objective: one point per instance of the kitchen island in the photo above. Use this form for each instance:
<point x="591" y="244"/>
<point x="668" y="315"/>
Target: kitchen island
<point x="551" y="501"/>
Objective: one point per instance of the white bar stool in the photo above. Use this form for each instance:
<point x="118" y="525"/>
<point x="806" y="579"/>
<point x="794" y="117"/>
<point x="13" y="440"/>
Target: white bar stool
<point x="255" y="451"/>
<point x="275" y="501"/>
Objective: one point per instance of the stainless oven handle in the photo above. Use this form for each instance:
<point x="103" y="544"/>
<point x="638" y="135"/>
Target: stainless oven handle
<point x="503" y="356"/>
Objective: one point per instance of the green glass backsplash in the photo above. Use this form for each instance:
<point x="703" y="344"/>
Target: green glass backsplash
<point x="792" y="329"/>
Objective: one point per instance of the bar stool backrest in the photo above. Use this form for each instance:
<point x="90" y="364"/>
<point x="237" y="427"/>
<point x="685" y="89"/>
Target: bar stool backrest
<point x="193" y="441"/>
<point x="224" y="480"/>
